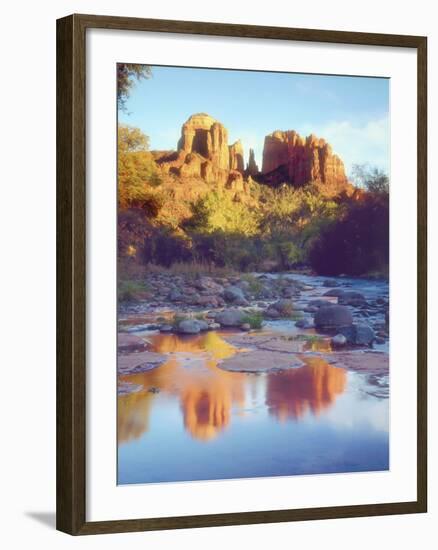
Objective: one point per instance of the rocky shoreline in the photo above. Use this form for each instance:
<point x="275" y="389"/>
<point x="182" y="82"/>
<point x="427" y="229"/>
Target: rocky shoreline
<point x="199" y="302"/>
<point x="274" y="322"/>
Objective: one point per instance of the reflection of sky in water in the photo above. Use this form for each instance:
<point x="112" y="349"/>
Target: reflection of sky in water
<point x="206" y="423"/>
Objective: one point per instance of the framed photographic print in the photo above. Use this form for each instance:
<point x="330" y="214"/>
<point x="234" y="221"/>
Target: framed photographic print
<point x="241" y="228"/>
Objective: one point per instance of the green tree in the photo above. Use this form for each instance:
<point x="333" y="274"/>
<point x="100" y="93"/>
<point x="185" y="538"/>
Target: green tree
<point x="130" y="139"/>
<point x="137" y="173"/>
<point x="219" y="211"/>
<point x="127" y="74"/>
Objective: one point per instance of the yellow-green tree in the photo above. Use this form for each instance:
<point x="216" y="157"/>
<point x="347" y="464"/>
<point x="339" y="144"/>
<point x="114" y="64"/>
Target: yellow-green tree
<point x="137" y="171"/>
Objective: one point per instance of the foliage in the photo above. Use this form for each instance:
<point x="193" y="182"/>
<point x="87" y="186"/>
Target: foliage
<point x="255" y="285"/>
<point x="127" y="73"/>
<point x="137" y="172"/>
<point x="358" y="242"/>
<point x="253" y="318"/>
<point x="131" y="139"/>
<point x="371" y="178"/>
<point x="209" y="229"/>
<point x="219" y="211"/>
<point x="129" y="290"/>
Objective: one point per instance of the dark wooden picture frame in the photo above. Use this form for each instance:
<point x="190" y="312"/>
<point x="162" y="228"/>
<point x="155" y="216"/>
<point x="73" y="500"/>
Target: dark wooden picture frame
<point x="71" y="271"/>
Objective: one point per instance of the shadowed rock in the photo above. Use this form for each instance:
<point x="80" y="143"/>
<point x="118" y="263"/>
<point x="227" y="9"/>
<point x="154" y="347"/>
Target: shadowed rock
<point x="333" y="317"/>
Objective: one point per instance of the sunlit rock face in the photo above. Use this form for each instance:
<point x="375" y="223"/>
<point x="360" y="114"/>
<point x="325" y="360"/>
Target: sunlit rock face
<point x="288" y="156"/>
<point x="236" y="156"/>
<point x="203" y="153"/>
<point x="312" y="388"/>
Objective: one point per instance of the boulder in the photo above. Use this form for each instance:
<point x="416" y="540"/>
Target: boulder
<point x="330" y="283"/>
<point x="208" y="284"/>
<point x="318" y="303"/>
<point x="208" y="301"/>
<point x="284" y="307"/>
<point x="352" y="298"/>
<point x="333" y="317"/>
<point x="271" y="312"/>
<point x="234" y="294"/>
<point x="358" y="334"/>
<point x="129" y="342"/>
<point x="338" y="341"/>
<point x="335" y="292"/>
<point x="306" y="322"/>
<point x="175" y="295"/>
<point x="191" y="326"/>
<point x="203" y="325"/>
<point x="230" y="318"/>
<point x="290" y="292"/>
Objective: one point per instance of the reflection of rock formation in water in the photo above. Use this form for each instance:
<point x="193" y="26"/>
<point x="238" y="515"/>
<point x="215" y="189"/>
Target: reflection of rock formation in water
<point x="209" y="342"/>
<point x="206" y="400"/>
<point x="133" y="415"/>
<point x="205" y="412"/>
<point x="313" y="387"/>
<point x="206" y="393"/>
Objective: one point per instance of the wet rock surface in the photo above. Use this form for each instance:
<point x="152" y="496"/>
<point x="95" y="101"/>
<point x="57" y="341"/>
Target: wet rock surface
<point x="139" y="362"/>
<point x="275" y="314"/>
<point x="260" y="361"/>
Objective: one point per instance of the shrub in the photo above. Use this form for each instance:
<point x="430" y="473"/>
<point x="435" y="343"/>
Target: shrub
<point x="129" y="291"/>
<point x="255" y="285"/>
<point x="356" y="244"/>
<point x="254" y="319"/>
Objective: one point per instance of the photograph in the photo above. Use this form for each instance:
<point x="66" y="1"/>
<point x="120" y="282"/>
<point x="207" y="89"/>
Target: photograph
<point x="253" y="274"/>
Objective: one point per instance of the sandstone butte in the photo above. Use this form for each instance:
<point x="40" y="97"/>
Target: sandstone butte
<point x="203" y="152"/>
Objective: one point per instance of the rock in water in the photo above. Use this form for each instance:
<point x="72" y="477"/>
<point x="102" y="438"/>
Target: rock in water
<point x="230" y="318"/>
<point x="306" y="322"/>
<point x="352" y="298"/>
<point x="335" y="292"/>
<point x="338" y="341"/>
<point x="234" y="294"/>
<point x="332" y="317"/>
<point x="284" y="307"/>
<point x="330" y="283"/>
<point x="192" y="326"/>
<point x="358" y="334"/>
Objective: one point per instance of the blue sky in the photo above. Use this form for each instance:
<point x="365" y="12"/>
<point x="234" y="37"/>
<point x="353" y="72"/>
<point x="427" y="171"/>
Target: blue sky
<point x="352" y="113"/>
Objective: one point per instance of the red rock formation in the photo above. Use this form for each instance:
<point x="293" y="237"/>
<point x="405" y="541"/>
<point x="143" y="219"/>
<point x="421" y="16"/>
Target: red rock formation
<point x="236" y="156"/>
<point x="252" y="169"/>
<point x="301" y="161"/>
<point x="204" y="135"/>
<point x="202" y="151"/>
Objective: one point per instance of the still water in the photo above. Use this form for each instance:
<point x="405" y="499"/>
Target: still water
<point x="191" y="420"/>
